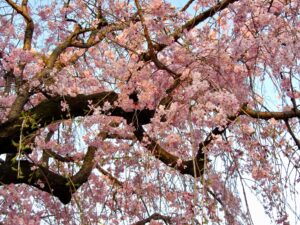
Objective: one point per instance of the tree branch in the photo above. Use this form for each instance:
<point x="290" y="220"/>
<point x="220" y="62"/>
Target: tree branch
<point x="297" y="141"/>
<point x="245" y="110"/>
<point x="83" y="174"/>
<point x="44" y="179"/>
<point x="49" y="153"/>
<point x="41" y="178"/>
<point x="184" y="167"/>
<point x="154" y="216"/>
<point x="187" y="5"/>
<point x="203" y="16"/>
<point x="23" y="10"/>
<point x="78" y="106"/>
<point x="191" y="24"/>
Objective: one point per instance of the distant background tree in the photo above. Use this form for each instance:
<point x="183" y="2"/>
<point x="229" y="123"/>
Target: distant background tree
<point x="136" y="112"/>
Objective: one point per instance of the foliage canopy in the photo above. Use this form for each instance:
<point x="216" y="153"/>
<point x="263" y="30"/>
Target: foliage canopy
<point x="140" y="111"/>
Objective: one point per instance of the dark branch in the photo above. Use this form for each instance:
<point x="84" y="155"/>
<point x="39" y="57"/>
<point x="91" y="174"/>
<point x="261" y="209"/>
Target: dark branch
<point x="41" y="178"/>
<point x="191" y="24"/>
<point x="269" y="115"/>
<point x="187" y="5"/>
<point x="44" y="179"/>
<point x="297" y="141"/>
<point x="173" y="161"/>
<point x="203" y="16"/>
<point x="88" y="164"/>
<point x="50" y="111"/>
<point x="155" y="216"/>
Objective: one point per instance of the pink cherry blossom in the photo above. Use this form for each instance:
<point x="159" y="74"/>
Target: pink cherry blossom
<point x="149" y="112"/>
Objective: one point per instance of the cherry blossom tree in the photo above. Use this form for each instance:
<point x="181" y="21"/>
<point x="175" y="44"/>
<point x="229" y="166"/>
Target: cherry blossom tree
<point x="148" y="111"/>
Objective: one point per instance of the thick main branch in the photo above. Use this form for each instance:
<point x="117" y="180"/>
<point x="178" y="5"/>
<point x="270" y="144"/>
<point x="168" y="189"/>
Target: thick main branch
<point x="25" y="172"/>
<point x="50" y="111"/>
